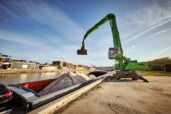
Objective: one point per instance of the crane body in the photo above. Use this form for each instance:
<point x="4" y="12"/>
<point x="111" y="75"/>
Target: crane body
<point x="126" y="67"/>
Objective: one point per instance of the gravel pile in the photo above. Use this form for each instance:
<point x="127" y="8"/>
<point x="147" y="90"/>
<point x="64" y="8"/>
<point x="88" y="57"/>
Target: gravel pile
<point x="82" y="74"/>
<point x="65" y="80"/>
<point x="91" y="76"/>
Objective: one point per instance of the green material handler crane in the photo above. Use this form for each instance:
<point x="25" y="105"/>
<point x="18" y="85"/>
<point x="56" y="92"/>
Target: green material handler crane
<point x="126" y="68"/>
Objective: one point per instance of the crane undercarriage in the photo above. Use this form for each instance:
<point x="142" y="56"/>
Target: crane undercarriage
<point x="128" y="74"/>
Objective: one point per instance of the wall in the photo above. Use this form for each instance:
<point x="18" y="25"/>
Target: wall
<point x="49" y="68"/>
<point x="23" y="65"/>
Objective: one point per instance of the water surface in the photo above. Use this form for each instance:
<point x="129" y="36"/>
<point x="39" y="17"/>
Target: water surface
<point x="26" y="77"/>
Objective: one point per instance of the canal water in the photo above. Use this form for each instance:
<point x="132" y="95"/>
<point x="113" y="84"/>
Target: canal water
<point x="26" y="77"/>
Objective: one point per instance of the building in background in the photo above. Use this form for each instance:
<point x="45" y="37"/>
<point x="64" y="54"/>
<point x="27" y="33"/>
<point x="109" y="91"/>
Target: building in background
<point x="23" y="65"/>
<point x="162" y="64"/>
<point x="48" y="67"/>
<point x="4" y="61"/>
<point x="63" y="65"/>
<point x="7" y="63"/>
<point x="58" y="64"/>
<point x="67" y="65"/>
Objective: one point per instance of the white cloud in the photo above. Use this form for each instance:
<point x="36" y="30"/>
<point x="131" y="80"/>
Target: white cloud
<point x="162" y="53"/>
<point x="49" y="16"/>
<point x="161" y="32"/>
<point x="18" y="38"/>
<point x="148" y="30"/>
<point x="149" y="14"/>
<point x="56" y="19"/>
<point x="127" y="50"/>
<point x="142" y="18"/>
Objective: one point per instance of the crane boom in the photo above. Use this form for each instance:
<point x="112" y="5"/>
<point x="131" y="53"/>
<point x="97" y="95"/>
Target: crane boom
<point x="116" y="40"/>
<point x="115" y="33"/>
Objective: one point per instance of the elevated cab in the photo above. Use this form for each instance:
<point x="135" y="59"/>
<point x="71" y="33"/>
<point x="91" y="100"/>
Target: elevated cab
<point x="113" y="52"/>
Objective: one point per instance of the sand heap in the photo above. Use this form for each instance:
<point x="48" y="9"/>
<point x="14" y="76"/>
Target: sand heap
<point x="65" y="80"/>
<point x="82" y="74"/>
<point x="91" y="76"/>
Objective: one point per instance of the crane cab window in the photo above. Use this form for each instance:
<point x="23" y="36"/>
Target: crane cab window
<point x="112" y="52"/>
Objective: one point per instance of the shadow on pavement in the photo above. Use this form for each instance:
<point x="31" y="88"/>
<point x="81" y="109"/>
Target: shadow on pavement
<point x="116" y="80"/>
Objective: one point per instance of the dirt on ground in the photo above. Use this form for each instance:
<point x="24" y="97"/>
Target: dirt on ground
<point x="126" y="97"/>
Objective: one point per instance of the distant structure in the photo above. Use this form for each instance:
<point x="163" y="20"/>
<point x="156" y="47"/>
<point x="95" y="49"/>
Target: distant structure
<point x="7" y="63"/>
<point x="4" y="61"/>
<point x="59" y="64"/>
<point x="106" y="68"/>
<point x="162" y="64"/>
<point x="22" y="64"/>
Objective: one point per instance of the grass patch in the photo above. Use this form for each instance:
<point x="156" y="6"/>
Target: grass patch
<point x="153" y="73"/>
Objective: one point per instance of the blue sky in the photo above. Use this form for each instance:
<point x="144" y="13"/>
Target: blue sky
<point x="49" y="30"/>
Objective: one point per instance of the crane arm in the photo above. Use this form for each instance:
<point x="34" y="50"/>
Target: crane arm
<point x="116" y="40"/>
<point x="115" y="33"/>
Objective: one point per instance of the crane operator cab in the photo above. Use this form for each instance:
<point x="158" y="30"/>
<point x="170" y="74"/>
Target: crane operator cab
<point x="112" y="52"/>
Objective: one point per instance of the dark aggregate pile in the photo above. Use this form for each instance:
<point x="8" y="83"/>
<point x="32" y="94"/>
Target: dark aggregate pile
<point x="66" y="80"/>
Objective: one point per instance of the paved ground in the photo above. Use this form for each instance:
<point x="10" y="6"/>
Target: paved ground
<point x="127" y="96"/>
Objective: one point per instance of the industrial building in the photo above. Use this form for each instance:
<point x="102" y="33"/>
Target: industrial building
<point x="23" y="65"/>
<point x="59" y="64"/>
<point x="7" y="63"/>
<point x="4" y="61"/>
<point x="63" y="65"/>
<point x="47" y="67"/>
